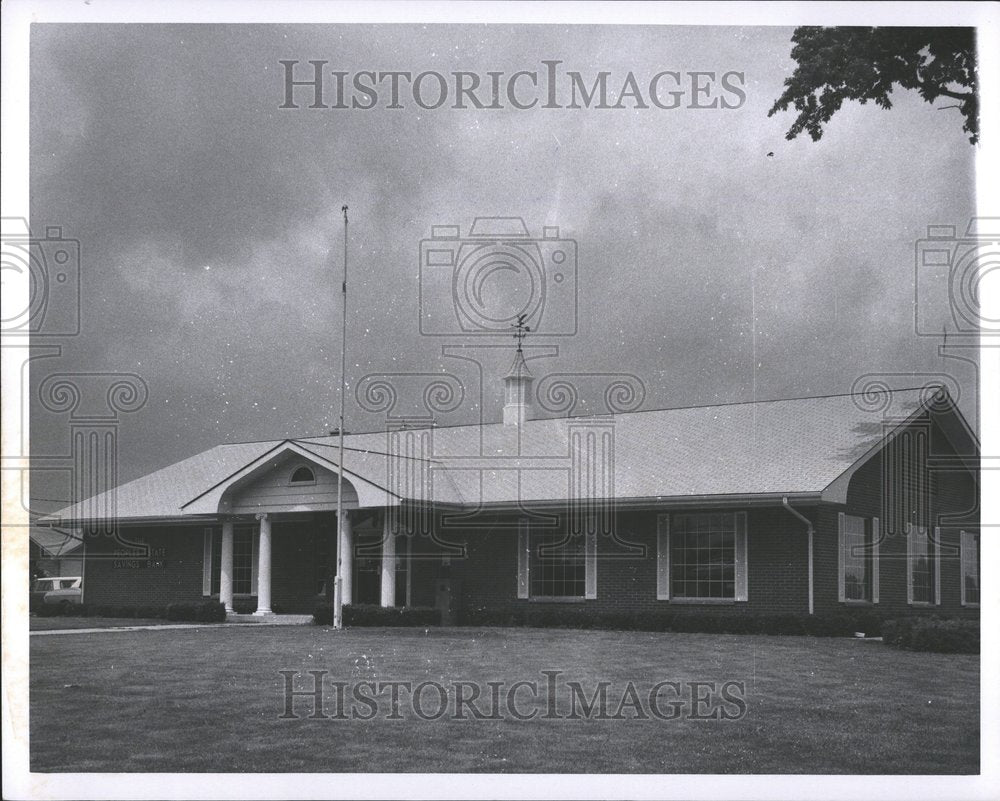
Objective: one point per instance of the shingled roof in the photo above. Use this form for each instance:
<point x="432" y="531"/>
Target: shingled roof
<point x="796" y="447"/>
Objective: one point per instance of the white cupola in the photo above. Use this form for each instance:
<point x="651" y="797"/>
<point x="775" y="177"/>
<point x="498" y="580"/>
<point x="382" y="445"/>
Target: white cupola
<point x="517" y="385"/>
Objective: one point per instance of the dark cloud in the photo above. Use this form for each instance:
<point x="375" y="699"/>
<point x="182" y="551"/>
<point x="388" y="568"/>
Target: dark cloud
<point x="210" y="219"/>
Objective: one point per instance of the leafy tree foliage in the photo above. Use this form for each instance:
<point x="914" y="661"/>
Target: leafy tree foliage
<point x="838" y="64"/>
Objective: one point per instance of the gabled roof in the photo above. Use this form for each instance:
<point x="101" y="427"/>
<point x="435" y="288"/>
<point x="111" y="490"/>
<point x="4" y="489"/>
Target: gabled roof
<point x="796" y="447"/>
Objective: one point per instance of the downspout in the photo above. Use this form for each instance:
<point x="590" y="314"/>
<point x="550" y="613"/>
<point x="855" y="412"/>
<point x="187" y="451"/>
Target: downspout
<point x="809" y="534"/>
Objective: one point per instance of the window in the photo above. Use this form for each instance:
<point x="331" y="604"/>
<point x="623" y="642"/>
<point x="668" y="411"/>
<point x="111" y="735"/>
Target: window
<point x="970" y="568"/>
<point x="921" y="556"/>
<point x="858" y="558"/>
<point x="554" y="564"/>
<point x="702" y="557"/>
<point x="302" y="475"/>
<point x="243" y="561"/>
<point x="558" y="566"/>
<point x="907" y="489"/>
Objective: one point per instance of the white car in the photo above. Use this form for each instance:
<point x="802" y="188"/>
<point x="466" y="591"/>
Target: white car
<point x="59" y="589"/>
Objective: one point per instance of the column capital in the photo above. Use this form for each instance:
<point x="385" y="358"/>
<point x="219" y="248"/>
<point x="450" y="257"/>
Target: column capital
<point x="261" y="516"/>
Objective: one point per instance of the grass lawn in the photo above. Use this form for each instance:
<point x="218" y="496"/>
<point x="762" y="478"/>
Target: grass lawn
<point x="210" y="700"/>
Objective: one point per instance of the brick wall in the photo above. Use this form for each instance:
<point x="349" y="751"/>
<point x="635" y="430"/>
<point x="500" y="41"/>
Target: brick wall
<point x="178" y="580"/>
<point x="777" y="580"/>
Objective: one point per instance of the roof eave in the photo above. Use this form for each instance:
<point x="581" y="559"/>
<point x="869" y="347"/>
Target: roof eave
<point x="651" y="502"/>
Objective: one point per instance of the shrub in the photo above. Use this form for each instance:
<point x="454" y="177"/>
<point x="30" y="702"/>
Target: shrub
<point x="182" y="612"/>
<point x="941" y="635"/>
<point x="362" y="615"/>
<point x="107" y="610"/>
<point x="48" y="610"/>
<point x="869" y="621"/>
<point x="842" y="623"/>
<point x="210" y="612"/>
<point x="204" y="612"/>
<point x="483" y="616"/>
<point x="616" y="621"/>
<point x="777" y="624"/>
<point x="897" y="632"/>
<point x="831" y="624"/>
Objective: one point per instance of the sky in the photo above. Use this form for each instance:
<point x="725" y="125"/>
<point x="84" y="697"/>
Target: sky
<point x="715" y="261"/>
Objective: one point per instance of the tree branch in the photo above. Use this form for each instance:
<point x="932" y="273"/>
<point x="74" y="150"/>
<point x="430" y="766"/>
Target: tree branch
<point x="940" y="90"/>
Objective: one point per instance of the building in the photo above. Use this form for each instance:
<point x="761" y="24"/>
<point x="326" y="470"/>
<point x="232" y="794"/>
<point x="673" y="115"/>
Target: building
<point x="803" y="506"/>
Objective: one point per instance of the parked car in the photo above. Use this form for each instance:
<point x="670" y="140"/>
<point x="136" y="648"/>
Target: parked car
<point x="58" y="590"/>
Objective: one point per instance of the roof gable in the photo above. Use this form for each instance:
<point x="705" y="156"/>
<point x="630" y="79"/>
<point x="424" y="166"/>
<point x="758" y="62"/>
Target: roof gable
<point x="796" y="447"/>
<point x="218" y="498"/>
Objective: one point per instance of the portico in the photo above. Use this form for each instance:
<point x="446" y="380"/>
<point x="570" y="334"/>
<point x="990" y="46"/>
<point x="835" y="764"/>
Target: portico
<point x="290" y="526"/>
<point x="291" y="493"/>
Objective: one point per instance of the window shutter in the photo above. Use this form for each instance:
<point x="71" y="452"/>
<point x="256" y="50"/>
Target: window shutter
<point x="741" y="556"/>
<point x="206" y="563"/>
<point x="590" y="555"/>
<point x="937" y="566"/>
<point x="875" y="569"/>
<point x="663" y="557"/>
<point x="523" y="552"/>
<point x="963" y="546"/>
<point x="841" y="522"/>
<point x="909" y="563"/>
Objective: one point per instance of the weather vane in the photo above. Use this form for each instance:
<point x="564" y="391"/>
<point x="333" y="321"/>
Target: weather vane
<point x="520" y="330"/>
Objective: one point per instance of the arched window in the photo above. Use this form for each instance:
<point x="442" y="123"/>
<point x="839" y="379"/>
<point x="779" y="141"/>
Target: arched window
<point x="303" y="475"/>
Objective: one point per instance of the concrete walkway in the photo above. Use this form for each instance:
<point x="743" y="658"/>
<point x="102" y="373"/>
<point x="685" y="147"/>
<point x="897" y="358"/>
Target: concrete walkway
<point x="243" y="621"/>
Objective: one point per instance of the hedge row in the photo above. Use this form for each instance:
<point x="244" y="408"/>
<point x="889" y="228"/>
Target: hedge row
<point x="943" y="635"/>
<point x="836" y="624"/>
<point x="371" y="615"/>
<point x="918" y="633"/>
<point x="205" y="612"/>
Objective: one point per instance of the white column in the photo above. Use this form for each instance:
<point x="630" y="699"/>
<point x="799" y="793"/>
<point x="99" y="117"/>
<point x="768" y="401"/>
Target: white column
<point x="226" y="567"/>
<point x="388" y="561"/>
<point x="264" y="566"/>
<point x="347" y="562"/>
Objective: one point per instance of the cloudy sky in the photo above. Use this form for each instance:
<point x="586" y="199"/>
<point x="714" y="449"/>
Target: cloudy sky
<point x="211" y="233"/>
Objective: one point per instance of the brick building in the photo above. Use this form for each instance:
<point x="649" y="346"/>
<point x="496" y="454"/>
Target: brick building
<point x="802" y="506"/>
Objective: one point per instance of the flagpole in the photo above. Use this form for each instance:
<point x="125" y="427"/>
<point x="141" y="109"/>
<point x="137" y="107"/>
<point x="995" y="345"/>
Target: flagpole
<point x="338" y="582"/>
